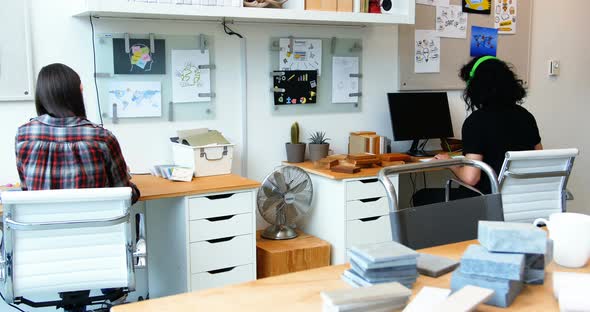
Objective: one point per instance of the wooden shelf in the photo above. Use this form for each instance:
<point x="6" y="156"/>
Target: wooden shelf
<point x="126" y="9"/>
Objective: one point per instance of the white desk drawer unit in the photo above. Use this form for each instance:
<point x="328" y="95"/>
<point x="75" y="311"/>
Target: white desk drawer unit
<point x="220" y="227"/>
<point x="366" y="208"/>
<point x="368" y="231"/>
<point x="222" y="253"/>
<point x="218" y="278"/>
<point x="222" y="244"/>
<point x="367" y="213"/>
<point x="367" y="188"/>
<point x="220" y="205"/>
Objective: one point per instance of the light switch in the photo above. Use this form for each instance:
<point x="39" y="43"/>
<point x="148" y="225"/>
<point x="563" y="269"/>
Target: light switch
<point x="554" y="67"/>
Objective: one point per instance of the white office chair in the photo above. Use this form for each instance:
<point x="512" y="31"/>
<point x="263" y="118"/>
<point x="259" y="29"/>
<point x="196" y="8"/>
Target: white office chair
<point x="67" y="242"/>
<point x="533" y="183"/>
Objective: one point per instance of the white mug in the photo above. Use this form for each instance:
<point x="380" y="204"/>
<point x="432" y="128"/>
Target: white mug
<point x="570" y="233"/>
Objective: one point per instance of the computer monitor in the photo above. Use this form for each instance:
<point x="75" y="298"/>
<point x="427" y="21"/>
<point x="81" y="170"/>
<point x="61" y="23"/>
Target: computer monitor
<point x="419" y="116"/>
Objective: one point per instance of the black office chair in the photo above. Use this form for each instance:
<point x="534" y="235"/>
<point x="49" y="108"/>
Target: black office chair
<point x="445" y="222"/>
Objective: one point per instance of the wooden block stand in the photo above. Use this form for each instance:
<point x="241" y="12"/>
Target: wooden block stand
<point x="276" y="257"/>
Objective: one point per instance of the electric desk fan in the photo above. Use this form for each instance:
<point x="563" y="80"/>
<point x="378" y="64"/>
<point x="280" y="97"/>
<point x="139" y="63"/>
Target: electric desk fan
<point x="283" y="199"/>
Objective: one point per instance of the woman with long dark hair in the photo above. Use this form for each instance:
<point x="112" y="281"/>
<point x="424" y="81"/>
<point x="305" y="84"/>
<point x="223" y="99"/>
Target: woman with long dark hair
<point x="497" y="124"/>
<point x="60" y="148"/>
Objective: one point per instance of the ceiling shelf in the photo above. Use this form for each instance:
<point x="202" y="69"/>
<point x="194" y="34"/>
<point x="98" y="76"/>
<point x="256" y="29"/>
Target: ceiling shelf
<point x="403" y="13"/>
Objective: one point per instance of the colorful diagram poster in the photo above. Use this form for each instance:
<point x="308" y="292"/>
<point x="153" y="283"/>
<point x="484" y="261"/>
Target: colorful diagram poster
<point x="427" y="52"/>
<point x="505" y="16"/>
<point x="189" y="79"/>
<point x="484" y="41"/>
<point x="451" y="22"/>
<point x="141" y="59"/>
<point x="295" y="87"/>
<point x="305" y="54"/>
<point x="136" y="98"/>
<point x="477" y="6"/>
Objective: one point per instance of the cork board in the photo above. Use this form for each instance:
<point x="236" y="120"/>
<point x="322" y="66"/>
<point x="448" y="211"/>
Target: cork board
<point x="514" y="49"/>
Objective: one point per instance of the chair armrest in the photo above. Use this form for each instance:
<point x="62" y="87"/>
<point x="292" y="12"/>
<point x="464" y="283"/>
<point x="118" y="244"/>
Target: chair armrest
<point x="568" y="195"/>
<point x="465" y="185"/>
<point x="140" y="253"/>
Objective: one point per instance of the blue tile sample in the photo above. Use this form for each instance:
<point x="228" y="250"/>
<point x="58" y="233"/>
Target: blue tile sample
<point x="384" y="252"/>
<point x="385" y="273"/>
<point x="505" y="291"/>
<point x="357" y="279"/>
<point x="479" y="261"/>
<point x="366" y="264"/>
<point x="497" y="236"/>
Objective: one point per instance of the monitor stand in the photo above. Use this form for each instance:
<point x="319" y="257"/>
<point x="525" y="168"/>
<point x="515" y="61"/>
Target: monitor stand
<point x="414" y="151"/>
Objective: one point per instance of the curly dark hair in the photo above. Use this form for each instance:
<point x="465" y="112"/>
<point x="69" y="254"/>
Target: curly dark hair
<point x="494" y="85"/>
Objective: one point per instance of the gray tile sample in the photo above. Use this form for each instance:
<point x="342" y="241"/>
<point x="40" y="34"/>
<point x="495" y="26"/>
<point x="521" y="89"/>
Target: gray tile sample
<point x="435" y="266"/>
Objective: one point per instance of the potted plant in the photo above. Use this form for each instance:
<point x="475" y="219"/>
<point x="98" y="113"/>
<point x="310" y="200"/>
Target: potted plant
<point x="318" y="146"/>
<point x="295" y="149"/>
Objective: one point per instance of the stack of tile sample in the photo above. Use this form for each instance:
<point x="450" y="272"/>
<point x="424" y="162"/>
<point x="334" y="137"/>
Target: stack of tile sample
<point x="509" y="255"/>
<point x="381" y="263"/>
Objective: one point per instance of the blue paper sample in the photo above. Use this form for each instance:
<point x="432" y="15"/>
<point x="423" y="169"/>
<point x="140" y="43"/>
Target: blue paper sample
<point x="505" y="291"/>
<point x="497" y="236"/>
<point x="477" y="260"/>
<point x="484" y="41"/>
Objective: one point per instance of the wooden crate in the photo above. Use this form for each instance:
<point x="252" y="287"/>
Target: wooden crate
<point x="276" y="257"/>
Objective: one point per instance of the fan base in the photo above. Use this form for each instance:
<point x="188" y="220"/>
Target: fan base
<point x="279" y="232"/>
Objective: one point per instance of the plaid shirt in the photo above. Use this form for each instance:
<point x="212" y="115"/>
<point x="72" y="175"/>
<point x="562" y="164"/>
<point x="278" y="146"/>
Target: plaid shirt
<point x="68" y="153"/>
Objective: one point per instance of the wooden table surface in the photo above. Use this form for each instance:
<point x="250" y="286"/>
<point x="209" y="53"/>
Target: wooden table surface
<point x="152" y="187"/>
<point x="301" y="291"/>
<point x="309" y="167"/>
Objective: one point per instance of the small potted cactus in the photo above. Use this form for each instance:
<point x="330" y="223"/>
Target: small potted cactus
<point x="295" y="149"/>
<point x="318" y="146"/>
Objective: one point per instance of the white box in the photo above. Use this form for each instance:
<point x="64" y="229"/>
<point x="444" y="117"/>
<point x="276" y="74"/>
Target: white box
<point x="204" y="160"/>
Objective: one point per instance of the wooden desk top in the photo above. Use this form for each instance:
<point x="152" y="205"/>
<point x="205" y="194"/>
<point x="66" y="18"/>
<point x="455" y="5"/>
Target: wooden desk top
<point x="326" y="173"/>
<point x="152" y="187"/>
<point x="301" y="291"/>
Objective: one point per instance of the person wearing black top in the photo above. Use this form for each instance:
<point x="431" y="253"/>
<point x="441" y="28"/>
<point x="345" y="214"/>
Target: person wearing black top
<point x="497" y="124"/>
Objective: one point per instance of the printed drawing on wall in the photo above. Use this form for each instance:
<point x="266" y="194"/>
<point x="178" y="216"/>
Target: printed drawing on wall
<point x="451" y="22"/>
<point x="427" y="52"/>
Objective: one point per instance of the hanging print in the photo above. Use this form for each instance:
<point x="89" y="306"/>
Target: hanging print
<point x="477" y="6"/>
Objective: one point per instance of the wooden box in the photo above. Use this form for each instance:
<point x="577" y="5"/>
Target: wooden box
<point x="344" y="5"/>
<point x="276" y="257"/>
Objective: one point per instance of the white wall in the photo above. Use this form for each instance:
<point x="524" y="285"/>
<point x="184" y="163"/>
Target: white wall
<point x="561" y="104"/>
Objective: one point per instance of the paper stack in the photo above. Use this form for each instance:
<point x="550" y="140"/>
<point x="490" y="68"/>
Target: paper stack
<point x="510" y="254"/>
<point x="381" y="263"/>
<point x="382" y="298"/>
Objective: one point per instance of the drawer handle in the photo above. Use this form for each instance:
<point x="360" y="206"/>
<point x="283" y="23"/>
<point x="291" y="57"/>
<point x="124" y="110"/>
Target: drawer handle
<point x="215" y="219"/>
<point x="369" y="180"/>
<point x="220" y="240"/>
<point x="220" y="196"/>
<point x="369" y="219"/>
<point x="212" y="272"/>
<point x="368" y="200"/>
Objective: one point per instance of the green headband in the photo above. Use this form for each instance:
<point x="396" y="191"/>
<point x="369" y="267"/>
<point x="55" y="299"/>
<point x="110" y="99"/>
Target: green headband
<point x="481" y="60"/>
